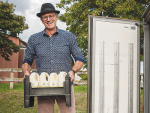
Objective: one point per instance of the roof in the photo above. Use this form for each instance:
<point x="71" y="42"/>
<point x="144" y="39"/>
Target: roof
<point x="146" y="15"/>
<point x="22" y="43"/>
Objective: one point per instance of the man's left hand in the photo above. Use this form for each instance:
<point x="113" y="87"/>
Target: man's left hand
<point x="71" y="74"/>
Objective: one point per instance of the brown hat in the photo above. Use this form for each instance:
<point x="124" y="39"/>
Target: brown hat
<point x="47" y="7"/>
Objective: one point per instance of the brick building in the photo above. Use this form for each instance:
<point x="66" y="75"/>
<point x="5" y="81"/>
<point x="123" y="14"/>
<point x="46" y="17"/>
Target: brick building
<point x="16" y="60"/>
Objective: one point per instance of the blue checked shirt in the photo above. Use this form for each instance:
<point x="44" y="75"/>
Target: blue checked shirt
<point x="52" y="54"/>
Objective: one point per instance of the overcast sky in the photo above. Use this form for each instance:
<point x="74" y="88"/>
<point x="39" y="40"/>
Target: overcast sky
<point x="29" y="9"/>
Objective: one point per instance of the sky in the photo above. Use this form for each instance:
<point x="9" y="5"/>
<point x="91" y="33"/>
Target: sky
<point x="29" y="9"/>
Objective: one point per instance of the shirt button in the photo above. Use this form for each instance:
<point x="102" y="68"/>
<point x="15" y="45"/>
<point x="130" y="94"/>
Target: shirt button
<point x="51" y="52"/>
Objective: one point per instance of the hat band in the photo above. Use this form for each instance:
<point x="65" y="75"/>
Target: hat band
<point x="47" y="10"/>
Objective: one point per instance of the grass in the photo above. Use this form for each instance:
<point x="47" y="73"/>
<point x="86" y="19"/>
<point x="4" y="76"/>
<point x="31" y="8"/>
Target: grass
<point x="81" y="75"/>
<point x="6" y="87"/>
<point x="141" y="101"/>
<point x="80" y="89"/>
<point x="12" y="101"/>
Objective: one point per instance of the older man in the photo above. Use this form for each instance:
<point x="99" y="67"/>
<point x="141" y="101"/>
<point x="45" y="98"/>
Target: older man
<point x="52" y="49"/>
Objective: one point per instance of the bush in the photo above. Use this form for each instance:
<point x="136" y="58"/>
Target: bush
<point x="81" y="75"/>
<point x="84" y="77"/>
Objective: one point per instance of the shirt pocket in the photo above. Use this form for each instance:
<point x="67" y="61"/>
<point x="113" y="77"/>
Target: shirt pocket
<point x="62" y="48"/>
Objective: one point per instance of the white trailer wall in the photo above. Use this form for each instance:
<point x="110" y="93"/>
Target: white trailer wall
<point x="113" y="65"/>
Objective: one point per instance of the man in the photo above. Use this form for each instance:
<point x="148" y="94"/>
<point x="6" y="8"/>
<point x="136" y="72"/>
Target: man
<point x="52" y="49"/>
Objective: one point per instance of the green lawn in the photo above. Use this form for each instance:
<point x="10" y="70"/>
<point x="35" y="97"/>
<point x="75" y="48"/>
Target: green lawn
<point x="141" y="101"/>
<point x="12" y="101"/>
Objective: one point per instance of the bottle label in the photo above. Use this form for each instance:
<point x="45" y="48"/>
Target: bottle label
<point x="53" y="84"/>
<point x="34" y="85"/>
<point x="44" y="84"/>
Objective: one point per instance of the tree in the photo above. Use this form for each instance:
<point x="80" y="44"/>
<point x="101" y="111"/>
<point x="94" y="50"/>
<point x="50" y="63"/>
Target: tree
<point x="77" y="11"/>
<point x="10" y="25"/>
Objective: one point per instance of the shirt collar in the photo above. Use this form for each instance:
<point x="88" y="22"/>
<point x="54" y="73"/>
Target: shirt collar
<point x="44" y="33"/>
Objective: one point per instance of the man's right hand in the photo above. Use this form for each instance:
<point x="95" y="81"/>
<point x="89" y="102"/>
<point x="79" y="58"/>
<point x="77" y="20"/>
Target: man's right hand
<point x="26" y="73"/>
<point x="26" y="69"/>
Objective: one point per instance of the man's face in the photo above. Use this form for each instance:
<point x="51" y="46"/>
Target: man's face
<point x="49" y="20"/>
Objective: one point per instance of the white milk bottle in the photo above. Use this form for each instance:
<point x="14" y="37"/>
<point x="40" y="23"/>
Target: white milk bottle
<point x="53" y="80"/>
<point x="61" y="78"/>
<point x="34" y="79"/>
<point x="44" y="79"/>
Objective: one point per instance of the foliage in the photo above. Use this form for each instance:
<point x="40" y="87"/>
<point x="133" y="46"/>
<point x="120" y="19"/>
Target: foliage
<point x="141" y="57"/>
<point x="82" y="43"/>
<point x="10" y="25"/>
<point x="77" y="11"/>
<point x="82" y="75"/>
<point x="85" y="77"/>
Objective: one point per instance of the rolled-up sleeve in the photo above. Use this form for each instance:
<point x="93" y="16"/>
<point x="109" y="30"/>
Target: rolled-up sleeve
<point x="30" y="52"/>
<point x="75" y="51"/>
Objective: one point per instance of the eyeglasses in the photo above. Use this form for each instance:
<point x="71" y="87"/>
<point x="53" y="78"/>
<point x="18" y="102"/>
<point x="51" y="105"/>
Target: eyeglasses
<point x="50" y="17"/>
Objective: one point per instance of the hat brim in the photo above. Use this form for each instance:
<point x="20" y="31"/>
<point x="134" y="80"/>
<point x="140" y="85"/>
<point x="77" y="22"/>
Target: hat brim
<point x="39" y="14"/>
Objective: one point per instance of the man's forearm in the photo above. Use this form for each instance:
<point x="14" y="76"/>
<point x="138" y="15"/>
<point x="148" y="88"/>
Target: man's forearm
<point x="77" y="66"/>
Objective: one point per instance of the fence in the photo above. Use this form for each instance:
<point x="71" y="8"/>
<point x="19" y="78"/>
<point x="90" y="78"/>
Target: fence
<point x="12" y="79"/>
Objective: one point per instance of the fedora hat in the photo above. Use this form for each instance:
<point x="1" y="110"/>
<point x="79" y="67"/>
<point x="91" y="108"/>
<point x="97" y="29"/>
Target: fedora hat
<point x="47" y="7"/>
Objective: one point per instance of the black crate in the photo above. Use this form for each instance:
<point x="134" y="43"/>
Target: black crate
<point x="30" y="93"/>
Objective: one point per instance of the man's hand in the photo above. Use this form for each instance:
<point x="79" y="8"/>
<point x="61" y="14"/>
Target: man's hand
<point x="26" y="73"/>
<point x="71" y="74"/>
<point x="26" y="69"/>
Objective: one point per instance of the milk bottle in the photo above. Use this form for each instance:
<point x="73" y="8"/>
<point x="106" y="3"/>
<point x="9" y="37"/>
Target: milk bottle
<point x="43" y="82"/>
<point x="61" y="78"/>
<point x="34" y="79"/>
<point x="53" y="80"/>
